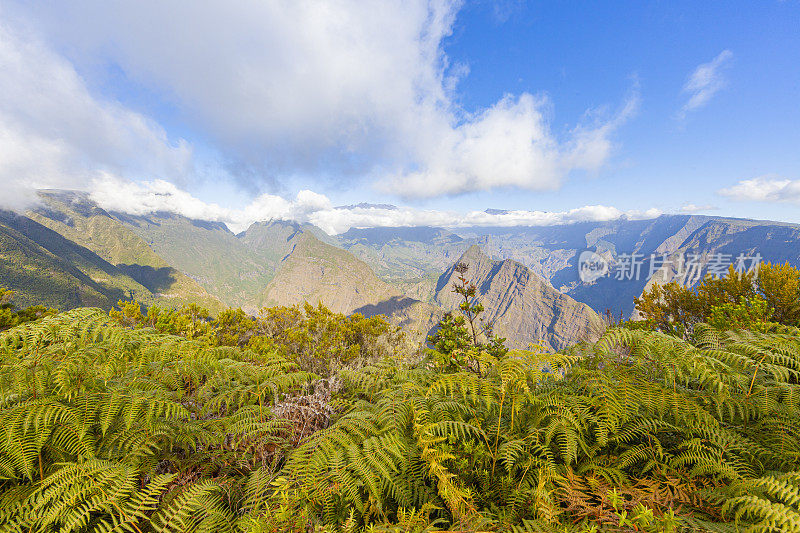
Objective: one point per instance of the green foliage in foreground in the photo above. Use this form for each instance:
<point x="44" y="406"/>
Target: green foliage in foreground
<point x="108" y="428"/>
<point x="761" y="300"/>
<point x="10" y="316"/>
<point x="316" y="338"/>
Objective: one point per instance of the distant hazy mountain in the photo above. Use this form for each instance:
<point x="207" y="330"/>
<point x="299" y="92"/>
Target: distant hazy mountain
<point x="405" y="253"/>
<point x="552" y="252"/>
<point x="69" y="252"/>
<point x="233" y="268"/>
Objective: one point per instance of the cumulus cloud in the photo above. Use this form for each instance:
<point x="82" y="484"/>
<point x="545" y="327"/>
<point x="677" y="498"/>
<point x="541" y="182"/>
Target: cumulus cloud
<point x="352" y="88"/>
<point x="159" y="196"/>
<point x="705" y="81"/>
<point x="765" y="189"/>
<point x="694" y="208"/>
<point x="309" y="207"/>
<point x="508" y="145"/>
<point x="54" y="133"/>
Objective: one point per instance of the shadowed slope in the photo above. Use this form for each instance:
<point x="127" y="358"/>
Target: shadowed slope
<point x="128" y="262"/>
<point x="38" y="276"/>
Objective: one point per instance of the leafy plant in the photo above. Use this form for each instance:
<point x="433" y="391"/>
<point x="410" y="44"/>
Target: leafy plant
<point x="656" y="420"/>
<point x="464" y="340"/>
<point x="738" y="300"/>
<point x="106" y="428"/>
<point x="9" y="316"/>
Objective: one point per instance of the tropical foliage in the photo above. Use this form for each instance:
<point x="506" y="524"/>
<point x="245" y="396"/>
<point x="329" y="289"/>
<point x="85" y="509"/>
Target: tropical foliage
<point x="10" y="316"/>
<point x="316" y="338"/>
<point x="154" y="420"/>
<point x="740" y="300"/>
<point x="110" y="429"/>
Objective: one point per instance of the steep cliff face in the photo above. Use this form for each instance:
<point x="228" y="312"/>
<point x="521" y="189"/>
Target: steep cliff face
<point x="524" y="308"/>
<point x="314" y="271"/>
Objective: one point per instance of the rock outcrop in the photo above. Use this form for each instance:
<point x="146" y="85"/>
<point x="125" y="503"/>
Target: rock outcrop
<point x="522" y="306"/>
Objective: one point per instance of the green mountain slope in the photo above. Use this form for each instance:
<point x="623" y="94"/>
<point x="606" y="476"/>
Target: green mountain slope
<point x="271" y="241"/>
<point x="207" y="252"/>
<point x="127" y="262"/>
<point x="39" y="276"/>
<point x="173" y="258"/>
<point x="314" y="271"/>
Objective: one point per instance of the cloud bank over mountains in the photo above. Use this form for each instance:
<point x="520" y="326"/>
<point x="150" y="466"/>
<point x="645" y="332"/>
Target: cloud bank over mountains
<point x="313" y="208"/>
<point x="352" y="93"/>
<point x="359" y="91"/>
<point x="765" y="189"/>
<point x="54" y="133"/>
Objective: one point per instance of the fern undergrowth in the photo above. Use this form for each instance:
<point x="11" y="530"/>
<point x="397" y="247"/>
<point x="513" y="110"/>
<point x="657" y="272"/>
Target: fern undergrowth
<point x="106" y="429"/>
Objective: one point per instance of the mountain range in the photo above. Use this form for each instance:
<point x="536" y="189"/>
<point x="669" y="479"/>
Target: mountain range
<point x="68" y="252"/>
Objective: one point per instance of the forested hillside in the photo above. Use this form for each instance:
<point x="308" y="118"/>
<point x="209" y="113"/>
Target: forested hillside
<point x="68" y="252"/>
<point x="40" y="276"/>
<point x="301" y="419"/>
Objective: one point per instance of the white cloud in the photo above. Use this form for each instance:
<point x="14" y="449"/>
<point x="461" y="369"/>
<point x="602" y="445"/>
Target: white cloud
<point x="765" y="189"/>
<point x="54" y="133"/>
<point x="310" y="207"/>
<point x="151" y="197"/>
<point x="508" y="145"/>
<point x="345" y="88"/>
<point x="705" y="81"/>
<point x="694" y="208"/>
<point x="143" y="198"/>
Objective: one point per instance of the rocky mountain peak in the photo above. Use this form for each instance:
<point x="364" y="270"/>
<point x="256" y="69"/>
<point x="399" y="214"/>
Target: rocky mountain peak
<point x="523" y="307"/>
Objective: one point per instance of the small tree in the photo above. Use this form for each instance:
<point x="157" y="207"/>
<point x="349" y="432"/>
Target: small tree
<point x="7" y="315"/>
<point x="452" y="341"/>
<point x="459" y="338"/>
<point x="779" y="285"/>
<point x="10" y="317"/>
<point x="751" y="314"/>
<point x="128" y="314"/>
<point x="470" y="306"/>
<point x="736" y="299"/>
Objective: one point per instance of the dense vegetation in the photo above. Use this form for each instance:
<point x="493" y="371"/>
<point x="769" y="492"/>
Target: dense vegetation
<point x="10" y="316"/>
<point x="304" y="420"/>
<point x="740" y="300"/>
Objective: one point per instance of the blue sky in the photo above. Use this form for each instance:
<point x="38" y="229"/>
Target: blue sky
<point x="585" y="57"/>
<point x="438" y="105"/>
